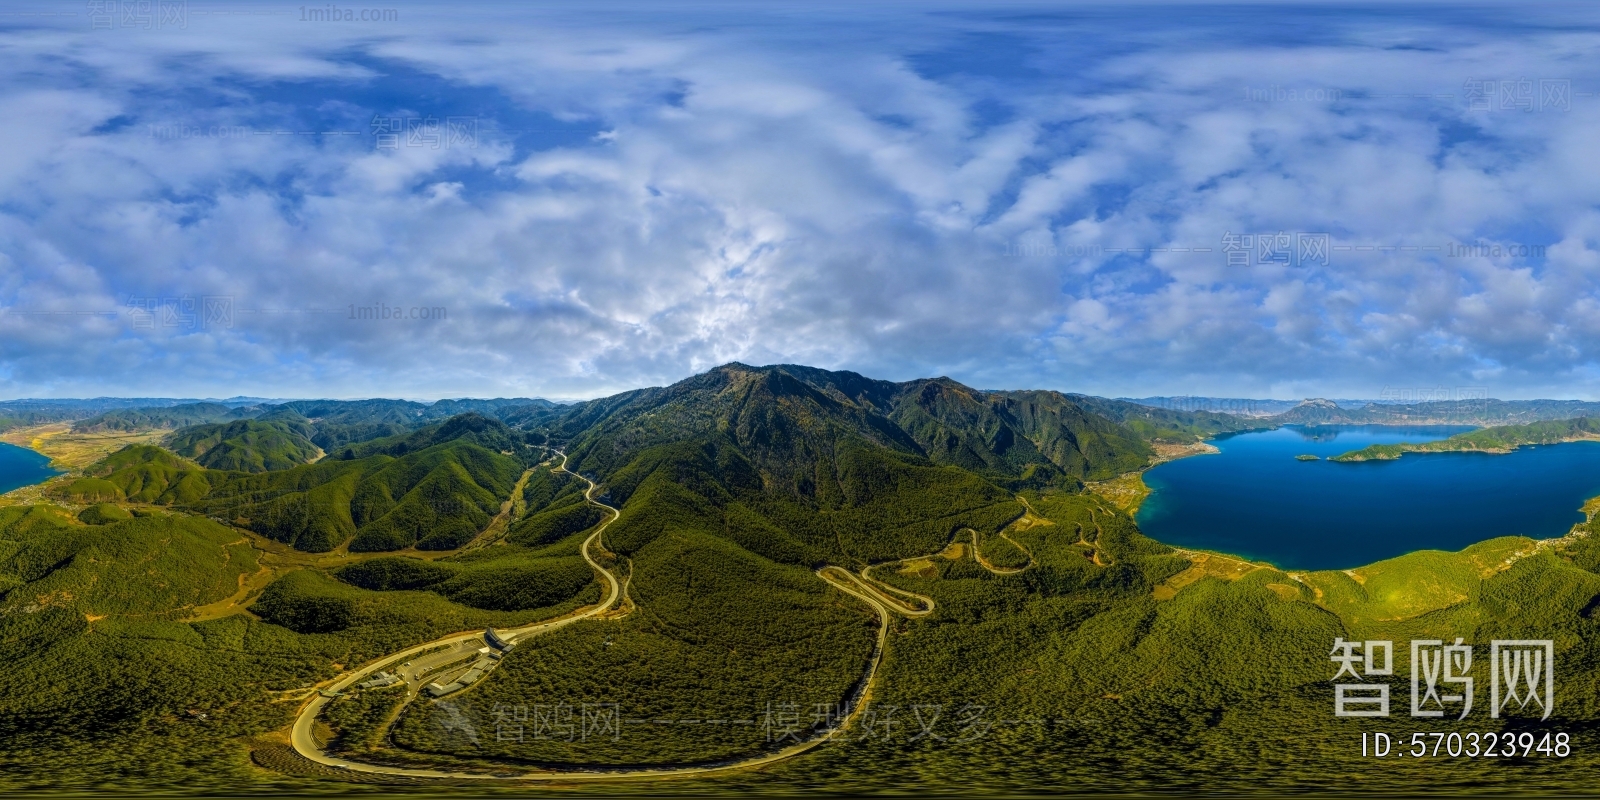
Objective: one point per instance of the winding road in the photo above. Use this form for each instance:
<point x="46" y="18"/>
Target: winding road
<point x="977" y="555"/>
<point x="925" y="605"/>
<point x="868" y="590"/>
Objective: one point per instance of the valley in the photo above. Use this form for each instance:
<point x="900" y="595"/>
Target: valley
<point x="734" y="583"/>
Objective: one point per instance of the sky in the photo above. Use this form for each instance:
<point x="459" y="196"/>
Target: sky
<point x="430" y="200"/>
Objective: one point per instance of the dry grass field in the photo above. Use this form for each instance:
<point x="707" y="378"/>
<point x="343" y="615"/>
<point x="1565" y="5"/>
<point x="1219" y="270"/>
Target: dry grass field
<point x="68" y="451"/>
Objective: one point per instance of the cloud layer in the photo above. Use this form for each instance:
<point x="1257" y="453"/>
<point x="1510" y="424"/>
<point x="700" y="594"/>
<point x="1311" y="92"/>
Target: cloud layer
<point x="571" y="206"/>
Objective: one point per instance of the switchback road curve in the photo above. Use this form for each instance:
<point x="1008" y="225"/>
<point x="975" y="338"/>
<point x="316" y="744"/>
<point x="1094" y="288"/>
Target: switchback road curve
<point x="304" y="741"/>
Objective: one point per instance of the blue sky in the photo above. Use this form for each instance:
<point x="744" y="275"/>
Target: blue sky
<point x="209" y="199"/>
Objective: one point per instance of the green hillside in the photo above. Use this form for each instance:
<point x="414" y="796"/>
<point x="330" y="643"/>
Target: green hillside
<point x="106" y="684"/>
<point x="148" y="565"/>
<point x="1165" y="424"/>
<point x="1060" y="649"/>
<point x="272" y="442"/>
<point x="790" y="421"/>
<point x="327" y="424"/>
<point x="20" y="413"/>
<point x="339" y="423"/>
<point x="435" y="499"/>
<point x="1034" y="438"/>
<point x="1030" y="438"/>
<point x="142" y="474"/>
<point x="508" y="581"/>
<point x="787" y="429"/>
<point x="1501" y="439"/>
<point x="1463" y="411"/>
<point x="178" y="416"/>
<point x="471" y="427"/>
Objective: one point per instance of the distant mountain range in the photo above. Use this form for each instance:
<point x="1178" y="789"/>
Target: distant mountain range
<point x="1480" y="412"/>
<point x="1321" y="411"/>
<point x="123" y="599"/>
<point x="1241" y="406"/>
<point x="132" y="413"/>
<point x="338" y="423"/>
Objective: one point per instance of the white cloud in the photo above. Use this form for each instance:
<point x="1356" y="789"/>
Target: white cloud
<point x="772" y="193"/>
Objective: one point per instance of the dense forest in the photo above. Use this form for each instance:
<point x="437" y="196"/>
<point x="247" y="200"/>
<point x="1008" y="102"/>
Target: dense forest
<point x="273" y="442"/>
<point x="164" y="619"/>
<point x="436" y="498"/>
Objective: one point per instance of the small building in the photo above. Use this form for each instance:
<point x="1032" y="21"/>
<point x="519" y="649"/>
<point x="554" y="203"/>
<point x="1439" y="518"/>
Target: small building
<point x="471" y="677"/>
<point x="379" y="681"/>
<point x="494" y="640"/>
<point x="435" y="689"/>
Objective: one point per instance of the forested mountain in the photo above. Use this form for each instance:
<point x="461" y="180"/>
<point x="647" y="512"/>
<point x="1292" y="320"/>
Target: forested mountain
<point x="16" y="413"/>
<point x="791" y="421"/>
<point x="472" y="427"/>
<point x="276" y="440"/>
<point x="108" y="568"/>
<point x="340" y="423"/>
<point x="1241" y="406"/>
<point x="1463" y="411"/>
<point x="489" y="408"/>
<point x="130" y="655"/>
<point x="337" y="423"/>
<point x="1169" y="424"/>
<point x="328" y="424"/>
<point x="788" y="431"/>
<point x="792" y="469"/>
<point x="438" y="497"/>
<point x="140" y="473"/>
<point x="179" y="416"/>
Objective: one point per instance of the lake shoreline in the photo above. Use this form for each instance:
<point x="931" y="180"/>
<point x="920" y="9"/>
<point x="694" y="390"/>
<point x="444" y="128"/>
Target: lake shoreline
<point x="1256" y="502"/>
<point x="68" y="453"/>
<point x="22" y="468"/>
<point x="1128" y="490"/>
<point x="1394" y="452"/>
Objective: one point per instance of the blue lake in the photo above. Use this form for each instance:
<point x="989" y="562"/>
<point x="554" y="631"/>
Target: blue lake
<point x="1255" y="500"/>
<point x="20" y="466"/>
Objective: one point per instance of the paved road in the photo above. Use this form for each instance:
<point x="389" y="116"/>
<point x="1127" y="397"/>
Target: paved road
<point x="306" y="744"/>
<point x="303" y="738"/>
<point x="922" y="605"/>
<point x="908" y="604"/>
